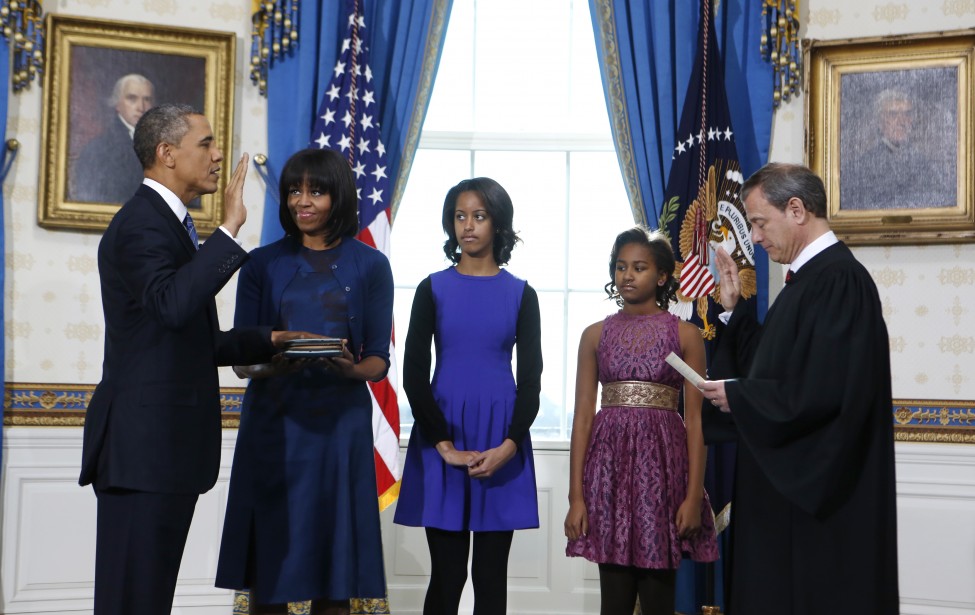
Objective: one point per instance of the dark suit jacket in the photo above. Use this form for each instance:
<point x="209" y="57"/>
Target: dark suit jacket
<point x="153" y="423"/>
<point x="107" y="170"/>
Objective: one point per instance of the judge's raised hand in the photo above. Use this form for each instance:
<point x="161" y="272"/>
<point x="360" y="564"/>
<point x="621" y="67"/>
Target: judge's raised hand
<point x="234" y="212"/>
<point x="730" y="282"/>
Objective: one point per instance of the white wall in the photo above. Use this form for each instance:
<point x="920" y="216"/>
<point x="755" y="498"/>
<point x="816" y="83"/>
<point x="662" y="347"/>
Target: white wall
<point x="53" y="334"/>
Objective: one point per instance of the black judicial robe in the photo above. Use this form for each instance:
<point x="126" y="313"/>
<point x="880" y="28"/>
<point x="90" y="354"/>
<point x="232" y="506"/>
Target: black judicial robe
<point x="814" y="526"/>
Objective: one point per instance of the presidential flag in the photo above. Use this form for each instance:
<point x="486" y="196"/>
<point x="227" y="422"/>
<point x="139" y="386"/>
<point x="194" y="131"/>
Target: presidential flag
<point x="702" y="210"/>
<point x="348" y="123"/>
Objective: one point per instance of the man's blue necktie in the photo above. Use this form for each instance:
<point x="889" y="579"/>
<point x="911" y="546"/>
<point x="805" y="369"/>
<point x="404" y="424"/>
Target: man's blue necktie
<point x="191" y="229"/>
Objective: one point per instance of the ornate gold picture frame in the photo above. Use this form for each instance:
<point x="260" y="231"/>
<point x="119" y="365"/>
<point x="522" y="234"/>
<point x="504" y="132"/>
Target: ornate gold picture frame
<point x="889" y="128"/>
<point x="101" y="76"/>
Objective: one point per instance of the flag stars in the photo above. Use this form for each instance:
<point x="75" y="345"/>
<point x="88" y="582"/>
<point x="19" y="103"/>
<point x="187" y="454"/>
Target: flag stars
<point x="379" y="172"/>
<point x="727" y="134"/>
<point x="363" y="146"/>
<point x="368" y="75"/>
<point x="690" y="141"/>
<point x="347" y="119"/>
<point x="366" y="122"/>
<point x="329" y="116"/>
<point x="339" y="68"/>
<point x="333" y="92"/>
<point x="376" y="196"/>
<point x="368" y="98"/>
<point x="359" y="169"/>
<point x="345" y="45"/>
<point x="380" y="148"/>
<point x="322" y="141"/>
<point x="352" y="94"/>
<point x="711" y="134"/>
<point x="345" y="142"/>
<point x="680" y="147"/>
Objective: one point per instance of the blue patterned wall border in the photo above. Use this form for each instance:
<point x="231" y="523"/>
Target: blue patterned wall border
<point x="934" y="421"/>
<point x="65" y="404"/>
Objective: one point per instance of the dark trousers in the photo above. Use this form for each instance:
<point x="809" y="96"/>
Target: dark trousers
<point x="138" y="550"/>
<point x="489" y="571"/>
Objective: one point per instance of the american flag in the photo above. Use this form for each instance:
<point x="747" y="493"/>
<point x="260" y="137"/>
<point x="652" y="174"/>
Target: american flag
<point x="348" y="122"/>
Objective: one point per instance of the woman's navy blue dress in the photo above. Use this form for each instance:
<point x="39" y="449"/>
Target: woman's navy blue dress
<point x="302" y="514"/>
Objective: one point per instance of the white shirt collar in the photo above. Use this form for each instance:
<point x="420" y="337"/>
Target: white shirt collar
<point x="128" y="126"/>
<point x="817" y="245"/>
<point x="169" y="196"/>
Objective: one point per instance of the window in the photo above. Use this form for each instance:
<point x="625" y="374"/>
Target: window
<point x="518" y="98"/>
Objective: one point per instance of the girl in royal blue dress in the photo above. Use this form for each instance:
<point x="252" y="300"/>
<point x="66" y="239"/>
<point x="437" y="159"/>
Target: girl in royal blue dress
<point x="637" y="503"/>
<point x="302" y="515"/>
<point x="469" y="466"/>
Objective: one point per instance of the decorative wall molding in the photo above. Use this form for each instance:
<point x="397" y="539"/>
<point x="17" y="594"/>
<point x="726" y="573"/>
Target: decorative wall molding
<point x="63" y="405"/>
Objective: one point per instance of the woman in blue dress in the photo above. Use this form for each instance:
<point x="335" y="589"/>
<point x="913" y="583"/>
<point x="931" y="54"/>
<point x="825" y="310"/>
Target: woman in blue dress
<point x="302" y="515"/>
<point x="469" y="466"/>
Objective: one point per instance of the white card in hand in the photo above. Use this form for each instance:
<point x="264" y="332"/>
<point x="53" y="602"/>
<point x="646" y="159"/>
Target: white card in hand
<point x="685" y="370"/>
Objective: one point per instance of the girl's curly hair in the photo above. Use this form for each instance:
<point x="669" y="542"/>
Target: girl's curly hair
<point x="663" y="258"/>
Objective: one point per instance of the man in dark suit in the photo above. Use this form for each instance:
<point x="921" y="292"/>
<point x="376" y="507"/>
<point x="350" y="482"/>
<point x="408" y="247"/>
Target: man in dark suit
<point x="107" y="170"/>
<point x="814" y="518"/>
<point x="152" y="431"/>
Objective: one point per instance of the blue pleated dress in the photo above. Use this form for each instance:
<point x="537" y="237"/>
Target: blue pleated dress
<point x="474" y="387"/>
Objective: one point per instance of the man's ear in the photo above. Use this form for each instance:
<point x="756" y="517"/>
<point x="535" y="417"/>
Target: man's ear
<point x="796" y="210"/>
<point x="164" y="154"/>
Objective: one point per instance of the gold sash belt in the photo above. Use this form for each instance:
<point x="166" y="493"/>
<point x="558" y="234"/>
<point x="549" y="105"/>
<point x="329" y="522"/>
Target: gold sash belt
<point x="637" y="394"/>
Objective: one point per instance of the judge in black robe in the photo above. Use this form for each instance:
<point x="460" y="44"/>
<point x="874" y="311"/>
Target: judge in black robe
<point x="814" y="511"/>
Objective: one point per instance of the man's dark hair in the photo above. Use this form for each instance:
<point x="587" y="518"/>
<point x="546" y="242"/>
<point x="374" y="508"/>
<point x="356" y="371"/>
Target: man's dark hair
<point x="781" y="181"/>
<point x="163" y="124"/>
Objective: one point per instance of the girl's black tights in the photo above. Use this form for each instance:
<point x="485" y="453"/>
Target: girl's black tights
<point x="620" y="585"/>
<point x="489" y="571"/>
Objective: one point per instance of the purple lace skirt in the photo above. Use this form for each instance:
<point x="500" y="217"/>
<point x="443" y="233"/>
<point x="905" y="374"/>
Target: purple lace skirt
<point x="635" y="479"/>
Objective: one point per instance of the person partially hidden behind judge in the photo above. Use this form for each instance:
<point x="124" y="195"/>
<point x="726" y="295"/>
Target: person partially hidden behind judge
<point x="107" y="170"/>
<point x="152" y="429"/>
<point x="814" y="524"/>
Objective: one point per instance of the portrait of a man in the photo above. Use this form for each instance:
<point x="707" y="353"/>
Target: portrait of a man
<point x="107" y="170"/>
<point x="110" y="90"/>
<point x="898" y="135"/>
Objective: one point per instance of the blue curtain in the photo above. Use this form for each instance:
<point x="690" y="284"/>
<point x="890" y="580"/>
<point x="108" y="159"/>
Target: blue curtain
<point x="405" y="39"/>
<point x="646" y="50"/>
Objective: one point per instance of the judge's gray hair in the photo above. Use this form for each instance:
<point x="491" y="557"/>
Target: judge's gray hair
<point x="163" y="124"/>
<point x="780" y="182"/>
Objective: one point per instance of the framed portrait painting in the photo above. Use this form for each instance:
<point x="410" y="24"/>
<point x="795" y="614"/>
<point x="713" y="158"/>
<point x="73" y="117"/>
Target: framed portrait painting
<point x="889" y="128"/>
<point x="101" y="77"/>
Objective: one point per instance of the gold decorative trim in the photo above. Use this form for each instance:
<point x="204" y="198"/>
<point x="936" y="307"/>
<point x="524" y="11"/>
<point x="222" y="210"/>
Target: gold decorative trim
<point x="64" y="405"/>
<point x="616" y="103"/>
<point x="934" y="421"/>
<point x="435" y="37"/>
<point x="639" y="394"/>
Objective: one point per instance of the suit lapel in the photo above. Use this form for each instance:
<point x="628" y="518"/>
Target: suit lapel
<point x="174" y="224"/>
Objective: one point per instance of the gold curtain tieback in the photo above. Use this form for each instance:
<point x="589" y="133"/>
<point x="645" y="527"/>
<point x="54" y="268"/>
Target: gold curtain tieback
<point x="639" y="394"/>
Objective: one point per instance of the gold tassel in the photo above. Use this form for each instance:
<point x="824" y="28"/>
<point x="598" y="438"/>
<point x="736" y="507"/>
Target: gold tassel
<point x="780" y="46"/>
<point x="274" y="32"/>
<point x="23" y="27"/>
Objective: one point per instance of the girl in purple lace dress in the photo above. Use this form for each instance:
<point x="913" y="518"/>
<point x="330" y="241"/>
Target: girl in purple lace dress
<point x="636" y="494"/>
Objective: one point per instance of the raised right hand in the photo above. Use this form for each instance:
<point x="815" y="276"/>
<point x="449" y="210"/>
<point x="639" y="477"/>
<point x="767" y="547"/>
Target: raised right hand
<point x="234" y="211"/>
<point x="730" y="282"/>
